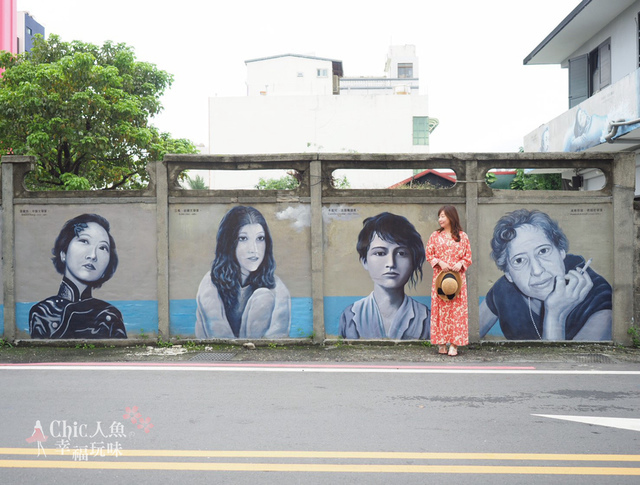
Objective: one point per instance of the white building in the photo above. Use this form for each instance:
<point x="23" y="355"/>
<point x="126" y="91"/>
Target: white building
<point x="598" y="44"/>
<point x="297" y="103"/>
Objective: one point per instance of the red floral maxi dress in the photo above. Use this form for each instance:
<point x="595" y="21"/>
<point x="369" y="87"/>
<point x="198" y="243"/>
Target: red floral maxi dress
<point x="449" y="319"/>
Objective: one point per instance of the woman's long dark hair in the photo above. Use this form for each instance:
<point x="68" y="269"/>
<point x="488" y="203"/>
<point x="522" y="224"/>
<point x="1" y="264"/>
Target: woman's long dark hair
<point x="452" y="214"/>
<point x="226" y="273"/>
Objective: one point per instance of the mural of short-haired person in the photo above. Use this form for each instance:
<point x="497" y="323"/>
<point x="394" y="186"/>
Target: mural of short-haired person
<point x="392" y="251"/>
<point x="85" y="254"/>
<point x="545" y="293"/>
<point x="241" y="297"/>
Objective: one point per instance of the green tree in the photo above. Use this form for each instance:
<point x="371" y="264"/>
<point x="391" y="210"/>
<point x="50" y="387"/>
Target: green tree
<point x="197" y="183"/>
<point x="543" y="181"/>
<point x="286" y="182"/>
<point x="340" y="182"/>
<point x="85" y="111"/>
<point x="291" y="181"/>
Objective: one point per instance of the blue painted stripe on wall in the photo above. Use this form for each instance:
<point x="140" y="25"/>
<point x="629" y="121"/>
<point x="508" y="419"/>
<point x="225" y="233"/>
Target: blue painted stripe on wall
<point x="182" y="314"/>
<point x="143" y="315"/>
<point x="335" y="305"/>
<point x="494" y="331"/>
<point x="138" y="316"/>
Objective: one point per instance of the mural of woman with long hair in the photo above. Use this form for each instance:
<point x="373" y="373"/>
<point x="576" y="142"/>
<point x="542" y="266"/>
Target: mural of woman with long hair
<point x="241" y="297"/>
<point x="85" y="254"/>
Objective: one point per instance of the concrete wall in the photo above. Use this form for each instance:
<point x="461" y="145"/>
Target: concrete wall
<point x="166" y="241"/>
<point x="289" y="76"/>
<point x="295" y="124"/>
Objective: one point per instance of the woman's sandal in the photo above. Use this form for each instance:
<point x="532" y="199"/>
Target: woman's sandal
<point x="453" y="351"/>
<point x="442" y="349"/>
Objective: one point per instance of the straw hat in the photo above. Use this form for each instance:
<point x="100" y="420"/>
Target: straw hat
<point x="448" y="284"/>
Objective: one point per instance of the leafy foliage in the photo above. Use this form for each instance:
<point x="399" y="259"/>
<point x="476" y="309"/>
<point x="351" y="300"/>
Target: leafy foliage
<point x="291" y="181"/>
<point x="83" y="110"/>
<point x="490" y="178"/>
<point x="545" y="181"/>
<point x="340" y="182"/>
<point x="286" y="182"/>
<point x="197" y="183"/>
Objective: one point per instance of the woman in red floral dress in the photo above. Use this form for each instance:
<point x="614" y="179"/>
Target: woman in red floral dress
<point x="449" y="249"/>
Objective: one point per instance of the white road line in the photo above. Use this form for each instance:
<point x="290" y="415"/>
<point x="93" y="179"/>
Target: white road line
<point x="621" y="423"/>
<point x="302" y="368"/>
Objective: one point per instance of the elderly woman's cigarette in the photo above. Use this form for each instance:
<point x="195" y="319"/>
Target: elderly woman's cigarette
<point x="584" y="268"/>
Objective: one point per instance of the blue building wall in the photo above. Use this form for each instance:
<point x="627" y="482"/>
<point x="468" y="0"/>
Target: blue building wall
<point x="31" y="28"/>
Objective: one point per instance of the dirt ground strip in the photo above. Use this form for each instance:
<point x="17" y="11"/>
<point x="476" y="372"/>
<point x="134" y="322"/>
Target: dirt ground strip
<point x="332" y="352"/>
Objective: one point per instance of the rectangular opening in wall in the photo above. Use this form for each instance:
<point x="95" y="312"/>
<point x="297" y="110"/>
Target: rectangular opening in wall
<point x="279" y="179"/>
<point x="401" y="179"/>
<point x="546" y="179"/>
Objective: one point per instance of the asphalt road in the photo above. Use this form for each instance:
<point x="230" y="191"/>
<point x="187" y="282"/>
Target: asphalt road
<point x="528" y="417"/>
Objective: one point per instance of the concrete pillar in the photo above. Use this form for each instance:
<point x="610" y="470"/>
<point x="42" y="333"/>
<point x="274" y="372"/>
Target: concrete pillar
<point x="623" y="245"/>
<point x="317" y="251"/>
<point x="473" y="178"/>
<point x="9" y="163"/>
<point x="162" y="232"/>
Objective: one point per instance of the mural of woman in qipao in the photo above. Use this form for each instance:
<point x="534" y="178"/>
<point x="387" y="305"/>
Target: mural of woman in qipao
<point x="85" y="254"/>
<point x="392" y="252"/>
<point x="545" y="293"/>
<point x="241" y="297"/>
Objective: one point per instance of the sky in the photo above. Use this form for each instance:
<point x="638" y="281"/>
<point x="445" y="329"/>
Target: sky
<point x="470" y="54"/>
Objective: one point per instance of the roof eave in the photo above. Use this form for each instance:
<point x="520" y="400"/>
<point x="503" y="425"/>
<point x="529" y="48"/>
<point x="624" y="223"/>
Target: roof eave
<point x="568" y="19"/>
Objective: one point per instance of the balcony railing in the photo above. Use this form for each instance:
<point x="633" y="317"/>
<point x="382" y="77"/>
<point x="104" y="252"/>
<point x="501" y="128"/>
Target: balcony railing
<point x="368" y="83"/>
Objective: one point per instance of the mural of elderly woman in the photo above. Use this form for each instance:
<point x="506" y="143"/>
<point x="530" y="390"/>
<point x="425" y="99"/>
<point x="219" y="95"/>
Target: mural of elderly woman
<point x="85" y="254"/>
<point x="545" y="293"/>
<point x="241" y="297"/>
<point x="392" y="252"/>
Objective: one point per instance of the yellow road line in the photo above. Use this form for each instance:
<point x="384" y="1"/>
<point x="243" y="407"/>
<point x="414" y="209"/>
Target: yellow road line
<point x="365" y="455"/>
<point x="307" y="468"/>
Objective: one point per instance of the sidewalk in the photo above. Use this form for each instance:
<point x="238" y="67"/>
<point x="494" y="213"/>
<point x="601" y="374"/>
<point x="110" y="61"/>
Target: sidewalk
<point x="388" y="352"/>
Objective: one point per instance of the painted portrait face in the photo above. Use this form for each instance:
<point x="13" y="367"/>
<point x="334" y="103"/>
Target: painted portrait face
<point x="534" y="262"/>
<point x="389" y="264"/>
<point x="582" y="118"/>
<point x="88" y="255"/>
<point x="251" y="248"/>
<point x="443" y="220"/>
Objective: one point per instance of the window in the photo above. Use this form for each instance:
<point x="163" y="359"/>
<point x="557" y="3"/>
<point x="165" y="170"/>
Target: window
<point x="405" y="70"/>
<point x="420" y="130"/>
<point x="29" y="31"/>
<point x="323" y="72"/>
<point x="589" y="73"/>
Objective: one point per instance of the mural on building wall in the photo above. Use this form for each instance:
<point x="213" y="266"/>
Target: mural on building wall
<point x="241" y="296"/>
<point x="545" y="292"/>
<point x="544" y="140"/>
<point x="588" y="130"/>
<point x="85" y="255"/>
<point x="392" y="252"/>
<point x="610" y="113"/>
